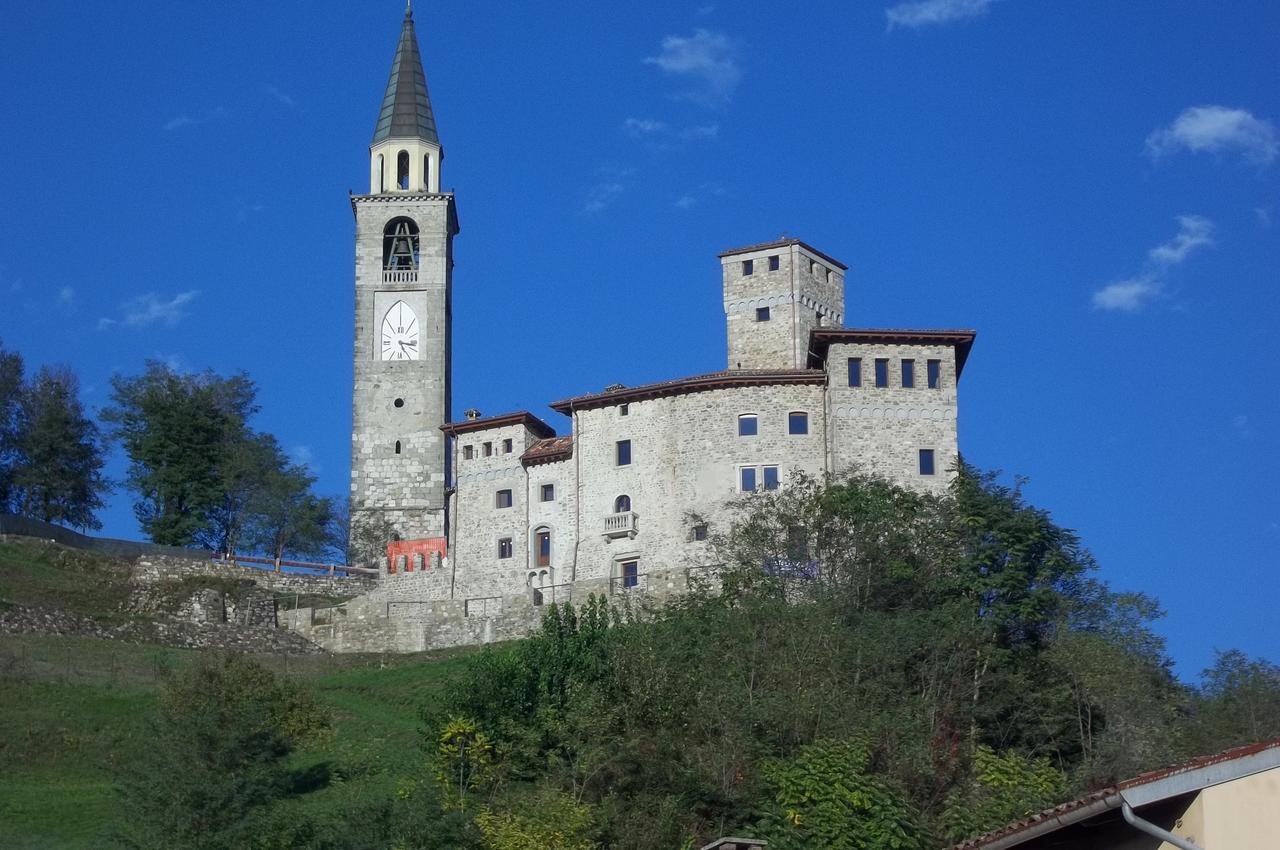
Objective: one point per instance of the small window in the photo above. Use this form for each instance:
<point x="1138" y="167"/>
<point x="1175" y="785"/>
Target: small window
<point x="506" y="447"/>
<point x="882" y="372"/>
<point x="748" y="267"/>
<point x="622" y="504"/>
<point x="623" y="452"/>
<point x="908" y="373"/>
<point x="542" y="546"/>
<point x="748" y="425"/>
<point x="748" y="479"/>
<point x="797" y="422"/>
<point x="630" y="571"/>
<point x="926" y="461"/>
<point x="488" y="449"/>
<point x="398" y="402"/>
<point x="504" y="547"/>
<point x="700" y="532"/>
<point x="817" y="318"/>
<point x="624" y="410"/>
<point x="773" y="263"/>
<point x="468" y="452"/>
<point x="547" y="493"/>
<point x="935" y="374"/>
<point x="855" y="371"/>
<point x="504" y="499"/>
<point x="397" y="447"/>
<point x="762" y="314"/>
<point x="770" y="477"/>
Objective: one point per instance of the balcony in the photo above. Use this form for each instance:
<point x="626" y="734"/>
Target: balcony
<point x="624" y="524"/>
<point x="399" y="275"/>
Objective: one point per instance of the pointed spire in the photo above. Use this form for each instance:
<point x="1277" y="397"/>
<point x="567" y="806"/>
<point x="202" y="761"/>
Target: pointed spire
<point x="406" y="107"/>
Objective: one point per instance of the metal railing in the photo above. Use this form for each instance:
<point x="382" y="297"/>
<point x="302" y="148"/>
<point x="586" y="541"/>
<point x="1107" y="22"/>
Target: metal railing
<point x="624" y="524"/>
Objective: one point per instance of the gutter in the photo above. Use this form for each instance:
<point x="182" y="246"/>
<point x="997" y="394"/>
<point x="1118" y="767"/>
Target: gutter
<point x="1055" y="822"/>
<point x="1155" y="831"/>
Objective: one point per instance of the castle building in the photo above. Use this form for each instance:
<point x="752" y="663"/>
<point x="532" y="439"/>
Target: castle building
<point x="503" y="508"/>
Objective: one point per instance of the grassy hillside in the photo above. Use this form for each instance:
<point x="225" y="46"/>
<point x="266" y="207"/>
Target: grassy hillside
<point x="71" y="709"/>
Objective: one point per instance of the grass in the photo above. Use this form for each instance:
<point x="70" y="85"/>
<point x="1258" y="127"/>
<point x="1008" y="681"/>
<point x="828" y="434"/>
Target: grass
<point x="49" y="575"/>
<point x="73" y="709"/>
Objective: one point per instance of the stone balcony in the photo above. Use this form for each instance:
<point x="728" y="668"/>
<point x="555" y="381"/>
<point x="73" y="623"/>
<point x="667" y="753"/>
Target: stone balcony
<point x="399" y="275"/>
<point x="624" y="524"/>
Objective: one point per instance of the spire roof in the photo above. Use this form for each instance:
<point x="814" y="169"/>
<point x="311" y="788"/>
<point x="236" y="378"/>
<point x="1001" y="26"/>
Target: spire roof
<point x="406" y="107"/>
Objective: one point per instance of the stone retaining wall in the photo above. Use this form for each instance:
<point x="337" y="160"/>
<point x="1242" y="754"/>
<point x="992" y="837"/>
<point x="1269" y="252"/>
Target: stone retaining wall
<point x="153" y="569"/>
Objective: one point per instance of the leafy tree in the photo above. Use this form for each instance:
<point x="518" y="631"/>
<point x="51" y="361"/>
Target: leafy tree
<point x="178" y="431"/>
<point x="216" y="758"/>
<point x="58" y="475"/>
<point x="363" y="537"/>
<point x="247" y="466"/>
<point x="287" y="517"/>
<point x="11" y="382"/>
<point x="1237" y="703"/>
<point x="1004" y="787"/>
<point x="548" y="820"/>
<point x="464" y="761"/>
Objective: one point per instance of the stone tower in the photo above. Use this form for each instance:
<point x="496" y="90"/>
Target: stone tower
<point x="774" y="295"/>
<point x="403" y="278"/>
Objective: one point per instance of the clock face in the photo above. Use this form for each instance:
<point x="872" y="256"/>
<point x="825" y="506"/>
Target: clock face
<point x="400" y="333"/>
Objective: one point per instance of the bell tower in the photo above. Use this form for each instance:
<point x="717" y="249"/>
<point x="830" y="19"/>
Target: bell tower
<point x="403" y="280"/>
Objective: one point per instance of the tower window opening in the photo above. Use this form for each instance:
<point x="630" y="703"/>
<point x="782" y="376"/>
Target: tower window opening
<point x="397" y="447"/>
<point x="399" y="402"/>
<point x="622" y="504"/>
<point x="773" y="263"/>
<point x="400" y="245"/>
<point x="402" y="170"/>
<point x="426" y="173"/>
<point x="382" y="179"/>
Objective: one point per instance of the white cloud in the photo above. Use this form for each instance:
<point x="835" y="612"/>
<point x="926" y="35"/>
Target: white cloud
<point x="1264" y="216"/>
<point x="1193" y="232"/>
<point x="686" y="202"/>
<point x="281" y="96"/>
<point x="186" y="120"/>
<point x="66" y="295"/>
<point x="923" y="13"/>
<point x="601" y="196"/>
<point x="304" y="456"/>
<point x="644" y="126"/>
<point x="151" y="309"/>
<point x="1217" y="129"/>
<point x="664" y="135"/>
<point x="704" y="131"/>
<point x="708" y="59"/>
<point x="1132" y="294"/>
<point x="1242" y="426"/>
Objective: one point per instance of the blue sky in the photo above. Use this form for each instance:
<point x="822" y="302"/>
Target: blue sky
<point x="1093" y="186"/>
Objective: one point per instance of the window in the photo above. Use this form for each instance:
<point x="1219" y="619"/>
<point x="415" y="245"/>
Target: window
<point x="547" y="493"/>
<point x="622" y="504"/>
<point x="397" y="447"/>
<point x="624" y="452"/>
<point x="402" y="169"/>
<point x="504" y="499"/>
<point x="468" y="452"/>
<point x="630" y="571"/>
<point x="817" y="318"/>
<point x="773" y="263"/>
<point x="504" y="547"/>
<point x="770" y="477"/>
<point x="882" y="372"/>
<point x="855" y="371"/>
<point x="506" y="447"/>
<point x="398" y="402"/>
<point x="748" y="425"/>
<point x="926" y="461"/>
<point x="797" y="422"/>
<point x="488" y="449"/>
<point x="426" y="173"/>
<point x="700" y="531"/>
<point x="908" y="373"/>
<point x="400" y="245"/>
<point x="762" y="314"/>
<point x="542" y="547"/>
<point x="624" y="410"/>
<point x="748" y="267"/>
<point x="935" y="374"/>
<point x="748" y="479"/>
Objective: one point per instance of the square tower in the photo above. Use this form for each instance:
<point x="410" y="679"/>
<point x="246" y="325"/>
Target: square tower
<point x="774" y="295"/>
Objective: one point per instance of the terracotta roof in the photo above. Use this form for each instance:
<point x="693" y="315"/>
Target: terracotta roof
<point x="548" y="450"/>
<point x="821" y="338"/>
<point x="698" y="383"/>
<point x="520" y="417"/>
<point x="784" y="243"/>
<point x="1146" y="788"/>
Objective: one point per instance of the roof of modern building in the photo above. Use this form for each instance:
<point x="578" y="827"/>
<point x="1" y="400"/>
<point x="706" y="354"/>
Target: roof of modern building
<point x="821" y="338"/>
<point x="1142" y="790"/>
<point x="519" y="417"/>
<point x="548" y="450"/>
<point x="406" y="107"/>
<point x="697" y="383"/>
<point x="784" y="243"/>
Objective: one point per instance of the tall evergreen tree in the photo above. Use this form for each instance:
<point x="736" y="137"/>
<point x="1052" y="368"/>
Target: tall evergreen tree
<point x="10" y="390"/>
<point x="58" y="476"/>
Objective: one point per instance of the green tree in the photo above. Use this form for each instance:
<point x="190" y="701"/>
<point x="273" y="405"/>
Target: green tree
<point x="286" y="517"/>
<point x="216" y="757"/>
<point x="1237" y="703"/>
<point x="1004" y="787"/>
<point x="463" y="761"/>
<point x="247" y="466"/>
<point x="58" y="474"/>
<point x="11" y="382"/>
<point x="178" y="431"/>
<point x="548" y="820"/>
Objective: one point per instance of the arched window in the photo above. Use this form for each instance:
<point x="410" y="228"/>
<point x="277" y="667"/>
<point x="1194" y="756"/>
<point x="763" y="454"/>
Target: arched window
<point x="542" y="547"/>
<point x="402" y="170"/>
<point x="382" y="176"/>
<point x="622" y="504"/>
<point x="400" y="245"/>
<point x="426" y="173"/>
<point x="397" y="447"/>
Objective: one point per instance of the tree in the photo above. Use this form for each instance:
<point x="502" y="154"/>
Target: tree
<point x="11" y="383"/>
<point x="1238" y="703"/>
<point x="287" y="517"/>
<point x="247" y="466"/>
<point x="548" y="820"/>
<point x="178" y="432"/>
<point x="216" y="757"/>
<point x="58" y="476"/>
<point x="1004" y="787"/>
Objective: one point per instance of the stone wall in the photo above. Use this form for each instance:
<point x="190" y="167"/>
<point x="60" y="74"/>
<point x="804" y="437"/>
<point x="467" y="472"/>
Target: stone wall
<point x="153" y="569"/>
